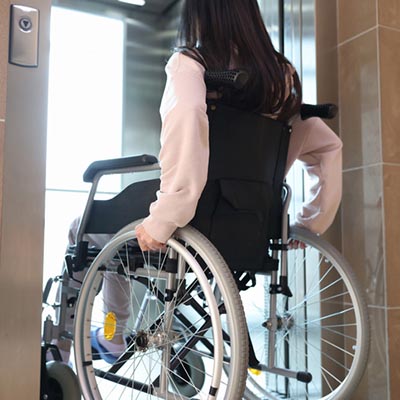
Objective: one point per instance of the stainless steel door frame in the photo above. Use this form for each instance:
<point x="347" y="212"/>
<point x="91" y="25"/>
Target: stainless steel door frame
<point x="22" y="216"/>
<point x="299" y="42"/>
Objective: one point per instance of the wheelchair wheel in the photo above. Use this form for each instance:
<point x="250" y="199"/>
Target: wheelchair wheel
<point x="323" y="329"/>
<point x="185" y="322"/>
<point x="62" y="382"/>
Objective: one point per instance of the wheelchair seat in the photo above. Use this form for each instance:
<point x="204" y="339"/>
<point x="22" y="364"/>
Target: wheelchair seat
<point x="243" y="192"/>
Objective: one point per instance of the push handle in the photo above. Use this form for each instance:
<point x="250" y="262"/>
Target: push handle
<point x="235" y="79"/>
<point x="325" y="111"/>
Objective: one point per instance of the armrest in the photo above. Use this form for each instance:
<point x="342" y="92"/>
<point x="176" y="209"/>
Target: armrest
<point x="117" y="164"/>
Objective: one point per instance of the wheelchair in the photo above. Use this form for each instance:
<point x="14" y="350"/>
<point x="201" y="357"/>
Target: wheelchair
<point x="297" y="328"/>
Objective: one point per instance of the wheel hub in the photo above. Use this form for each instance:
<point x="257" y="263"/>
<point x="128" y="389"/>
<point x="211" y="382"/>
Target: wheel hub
<point x="157" y="339"/>
<point x="283" y="323"/>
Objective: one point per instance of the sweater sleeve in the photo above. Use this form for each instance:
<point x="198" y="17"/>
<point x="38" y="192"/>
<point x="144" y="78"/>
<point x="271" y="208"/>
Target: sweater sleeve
<point x="184" y="151"/>
<point x="320" y="151"/>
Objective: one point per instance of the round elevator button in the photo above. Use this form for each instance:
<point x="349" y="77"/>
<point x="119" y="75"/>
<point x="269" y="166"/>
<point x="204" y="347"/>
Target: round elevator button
<point x="25" y="24"/>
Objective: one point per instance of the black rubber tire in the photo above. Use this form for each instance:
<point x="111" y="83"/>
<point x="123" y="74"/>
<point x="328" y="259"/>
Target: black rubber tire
<point x="62" y="381"/>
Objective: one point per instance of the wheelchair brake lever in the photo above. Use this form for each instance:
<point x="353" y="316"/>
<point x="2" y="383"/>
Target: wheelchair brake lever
<point x="70" y="265"/>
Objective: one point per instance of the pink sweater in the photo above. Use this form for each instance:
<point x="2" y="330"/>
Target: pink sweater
<point x="185" y="152"/>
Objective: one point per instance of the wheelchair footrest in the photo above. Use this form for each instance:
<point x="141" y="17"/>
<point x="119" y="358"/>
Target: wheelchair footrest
<point x="301" y="376"/>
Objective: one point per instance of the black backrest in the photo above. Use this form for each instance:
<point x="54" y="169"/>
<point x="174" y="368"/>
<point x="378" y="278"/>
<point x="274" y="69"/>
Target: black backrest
<point x="240" y="209"/>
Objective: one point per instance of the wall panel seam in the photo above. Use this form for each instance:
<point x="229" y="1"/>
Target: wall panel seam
<point x="389" y="164"/>
<point x="357" y="36"/>
<point x="391" y="28"/>
<point x="376" y="307"/>
<point x="391" y="308"/>
<point x="362" y="167"/>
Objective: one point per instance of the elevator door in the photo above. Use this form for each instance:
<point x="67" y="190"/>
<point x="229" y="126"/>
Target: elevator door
<point x="290" y="24"/>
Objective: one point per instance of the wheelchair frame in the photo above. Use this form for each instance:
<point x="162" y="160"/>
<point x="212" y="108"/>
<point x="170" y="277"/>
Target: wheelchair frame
<point x="213" y="294"/>
<point x="278" y="286"/>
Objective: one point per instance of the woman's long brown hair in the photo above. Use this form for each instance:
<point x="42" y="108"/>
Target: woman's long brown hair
<point x="223" y="31"/>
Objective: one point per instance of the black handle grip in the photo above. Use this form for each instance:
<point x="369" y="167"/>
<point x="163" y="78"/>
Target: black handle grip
<point x="325" y="111"/>
<point x="47" y="290"/>
<point x="303" y="376"/>
<point x="235" y="79"/>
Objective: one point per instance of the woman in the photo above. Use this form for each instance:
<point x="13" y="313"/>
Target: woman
<point x="220" y="35"/>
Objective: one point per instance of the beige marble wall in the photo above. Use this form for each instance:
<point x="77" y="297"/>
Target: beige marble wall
<point x="389" y="59"/>
<point x="368" y="44"/>
<point x="389" y="45"/>
<point x="347" y="71"/>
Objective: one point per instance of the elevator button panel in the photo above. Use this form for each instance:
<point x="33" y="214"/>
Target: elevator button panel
<point x="24" y="36"/>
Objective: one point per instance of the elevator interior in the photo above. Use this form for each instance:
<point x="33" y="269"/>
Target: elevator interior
<point x="106" y="82"/>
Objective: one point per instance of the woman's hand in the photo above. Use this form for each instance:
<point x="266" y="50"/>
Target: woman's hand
<point x="296" y="244"/>
<point x="146" y="242"/>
